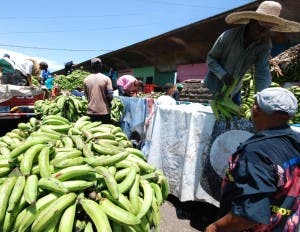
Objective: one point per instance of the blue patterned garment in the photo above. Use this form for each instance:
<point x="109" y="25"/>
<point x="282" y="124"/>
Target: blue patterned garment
<point x="262" y="182"/>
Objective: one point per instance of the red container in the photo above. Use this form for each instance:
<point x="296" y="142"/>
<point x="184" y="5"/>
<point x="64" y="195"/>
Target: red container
<point x="148" y="88"/>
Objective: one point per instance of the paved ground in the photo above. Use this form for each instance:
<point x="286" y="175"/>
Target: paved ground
<point x="185" y="216"/>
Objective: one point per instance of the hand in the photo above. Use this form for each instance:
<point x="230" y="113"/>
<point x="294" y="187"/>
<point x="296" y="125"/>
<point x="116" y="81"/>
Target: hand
<point x="227" y="79"/>
<point x="211" y="228"/>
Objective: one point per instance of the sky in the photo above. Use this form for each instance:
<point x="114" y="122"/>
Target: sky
<point x="58" y="31"/>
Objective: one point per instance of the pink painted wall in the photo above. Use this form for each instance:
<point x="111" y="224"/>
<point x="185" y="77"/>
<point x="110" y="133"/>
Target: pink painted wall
<point x="191" y="71"/>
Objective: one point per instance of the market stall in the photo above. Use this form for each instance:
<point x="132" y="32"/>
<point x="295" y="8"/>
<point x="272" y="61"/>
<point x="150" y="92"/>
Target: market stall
<point x="181" y="135"/>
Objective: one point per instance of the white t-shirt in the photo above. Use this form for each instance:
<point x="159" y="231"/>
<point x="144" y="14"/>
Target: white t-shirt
<point x="24" y="67"/>
<point x="165" y="100"/>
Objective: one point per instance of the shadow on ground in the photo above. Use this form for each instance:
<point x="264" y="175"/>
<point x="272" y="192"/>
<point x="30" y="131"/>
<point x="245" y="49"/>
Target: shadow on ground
<point x="200" y="214"/>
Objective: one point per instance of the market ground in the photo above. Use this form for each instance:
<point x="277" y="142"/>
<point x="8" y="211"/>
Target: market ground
<point x="188" y="216"/>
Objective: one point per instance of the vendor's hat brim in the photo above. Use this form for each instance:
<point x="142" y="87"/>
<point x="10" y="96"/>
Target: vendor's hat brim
<point x="280" y="24"/>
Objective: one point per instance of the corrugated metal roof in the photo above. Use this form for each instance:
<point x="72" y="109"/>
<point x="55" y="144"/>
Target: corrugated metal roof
<point x="185" y="45"/>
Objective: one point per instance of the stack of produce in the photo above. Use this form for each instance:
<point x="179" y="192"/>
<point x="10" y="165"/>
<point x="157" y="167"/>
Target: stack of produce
<point x="248" y="94"/>
<point x="223" y="106"/>
<point x="296" y="91"/>
<point x="194" y="91"/>
<point x="71" y="81"/>
<point x="285" y="67"/>
<point x="82" y="176"/>
<point x="117" y="110"/>
<point x="69" y="107"/>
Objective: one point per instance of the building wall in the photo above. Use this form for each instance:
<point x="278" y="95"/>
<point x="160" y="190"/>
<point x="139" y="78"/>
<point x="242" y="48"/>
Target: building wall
<point x="149" y="75"/>
<point x="191" y="71"/>
<point x="161" y="78"/>
<point x="145" y="73"/>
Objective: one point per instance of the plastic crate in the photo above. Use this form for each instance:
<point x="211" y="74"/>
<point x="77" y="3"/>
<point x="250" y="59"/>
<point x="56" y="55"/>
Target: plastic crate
<point x="148" y="88"/>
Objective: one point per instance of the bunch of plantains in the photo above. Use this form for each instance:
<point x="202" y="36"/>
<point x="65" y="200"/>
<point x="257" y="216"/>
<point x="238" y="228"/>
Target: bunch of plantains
<point x="117" y="110"/>
<point x="83" y="176"/>
<point x="69" y="107"/>
<point x="248" y="94"/>
<point x="296" y="91"/>
<point x="223" y="106"/>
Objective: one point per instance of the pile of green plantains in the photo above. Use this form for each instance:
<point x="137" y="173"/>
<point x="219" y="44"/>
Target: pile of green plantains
<point x="69" y="107"/>
<point x="248" y="94"/>
<point x="222" y="106"/>
<point x="72" y="108"/>
<point x="248" y="97"/>
<point x="84" y="176"/>
<point x="296" y="91"/>
<point x="71" y="81"/>
<point x="117" y="110"/>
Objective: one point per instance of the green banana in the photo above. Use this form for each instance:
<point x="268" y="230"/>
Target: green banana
<point x="107" y="160"/>
<point x="157" y="193"/>
<point x="52" y="184"/>
<point x="155" y="212"/>
<point x="134" y="195"/>
<point x="89" y="227"/>
<point x="67" y="141"/>
<point x="148" y="195"/>
<point x="5" y="192"/>
<point x="82" y="119"/>
<point x="109" y="180"/>
<point x="27" y="216"/>
<point x="71" y="172"/>
<point x="46" y="216"/>
<point x="31" y="189"/>
<point x="165" y="188"/>
<point x="127" y="183"/>
<point x="25" y="145"/>
<point x="97" y="215"/>
<point x="43" y="161"/>
<point x="77" y="185"/>
<point x="10" y="217"/>
<point x="122" y="201"/>
<point x="67" y="219"/>
<point x="27" y="160"/>
<point x="68" y="162"/>
<point x="118" y="214"/>
<point x="16" y="193"/>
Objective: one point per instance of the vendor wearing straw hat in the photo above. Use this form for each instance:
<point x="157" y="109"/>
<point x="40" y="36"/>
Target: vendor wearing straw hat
<point x="249" y="44"/>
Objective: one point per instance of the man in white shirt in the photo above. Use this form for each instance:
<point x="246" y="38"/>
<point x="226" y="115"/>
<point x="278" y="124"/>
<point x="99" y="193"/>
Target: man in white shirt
<point x="167" y="98"/>
<point x="23" y="72"/>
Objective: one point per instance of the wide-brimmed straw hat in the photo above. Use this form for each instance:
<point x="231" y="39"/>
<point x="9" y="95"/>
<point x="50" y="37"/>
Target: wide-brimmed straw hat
<point x="268" y="12"/>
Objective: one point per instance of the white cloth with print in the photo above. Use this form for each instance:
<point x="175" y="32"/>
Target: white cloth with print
<point x="180" y="136"/>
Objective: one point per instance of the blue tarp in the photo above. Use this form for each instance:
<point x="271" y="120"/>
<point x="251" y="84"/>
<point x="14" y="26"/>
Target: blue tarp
<point x="135" y="113"/>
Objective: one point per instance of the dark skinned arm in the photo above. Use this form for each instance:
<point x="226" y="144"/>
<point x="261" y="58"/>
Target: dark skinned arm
<point x="230" y="223"/>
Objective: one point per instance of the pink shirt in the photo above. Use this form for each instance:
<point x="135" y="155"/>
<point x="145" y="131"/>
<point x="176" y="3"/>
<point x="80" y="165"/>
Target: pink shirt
<point x="127" y="82"/>
<point x="95" y="87"/>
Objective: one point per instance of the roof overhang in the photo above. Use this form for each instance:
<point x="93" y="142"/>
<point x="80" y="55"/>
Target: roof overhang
<point x="186" y="45"/>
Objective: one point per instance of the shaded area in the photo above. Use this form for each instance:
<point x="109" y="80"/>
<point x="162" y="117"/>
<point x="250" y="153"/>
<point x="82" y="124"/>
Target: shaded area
<point x="7" y="125"/>
<point x="200" y="214"/>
